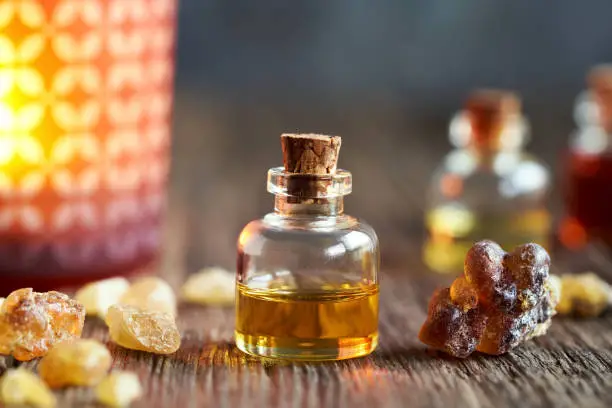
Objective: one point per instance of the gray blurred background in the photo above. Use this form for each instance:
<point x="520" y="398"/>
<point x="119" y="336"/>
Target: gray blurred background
<point x="385" y="75"/>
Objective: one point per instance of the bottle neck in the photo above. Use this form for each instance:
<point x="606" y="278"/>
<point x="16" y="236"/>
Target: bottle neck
<point x="593" y="116"/>
<point x="284" y="205"/>
<point x="600" y="87"/>
<point x="486" y="153"/>
<point x="488" y="137"/>
<point x="488" y="160"/>
<point x="495" y="138"/>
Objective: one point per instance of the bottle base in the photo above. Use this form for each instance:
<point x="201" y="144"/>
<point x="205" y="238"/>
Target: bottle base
<point x="298" y="349"/>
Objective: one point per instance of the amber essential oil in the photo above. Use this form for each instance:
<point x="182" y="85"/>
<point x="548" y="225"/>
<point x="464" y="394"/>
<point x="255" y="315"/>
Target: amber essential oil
<point x="332" y="324"/>
<point x="588" y="194"/>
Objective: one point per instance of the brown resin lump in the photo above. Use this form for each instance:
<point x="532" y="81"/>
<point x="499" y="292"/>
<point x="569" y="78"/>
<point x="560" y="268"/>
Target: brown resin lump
<point x="485" y="272"/>
<point x="503" y="300"/>
<point x="451" y="327"/>
<point x="31" y="323"/>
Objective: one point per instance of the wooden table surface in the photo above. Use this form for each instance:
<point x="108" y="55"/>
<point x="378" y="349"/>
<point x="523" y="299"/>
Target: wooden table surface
<point x="569" y="367"/>
<point x="213" y="196"/>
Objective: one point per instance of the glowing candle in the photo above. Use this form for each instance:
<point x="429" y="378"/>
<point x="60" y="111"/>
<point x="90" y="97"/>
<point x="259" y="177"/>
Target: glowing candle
<point x="85" y="110"/>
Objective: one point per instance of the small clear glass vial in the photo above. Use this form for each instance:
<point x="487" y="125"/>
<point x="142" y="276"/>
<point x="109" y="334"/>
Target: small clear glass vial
<point x="307" y="285"/>
<point x="587" y="178"/>
<point x="488" y="187"/>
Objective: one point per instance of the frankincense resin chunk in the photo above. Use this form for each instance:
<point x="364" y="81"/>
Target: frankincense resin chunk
<point x="31" y="322"/>
<point x="150" y="293"/>
<point x="98" y="296"/>
<point x="119" y="389"/>
<point x="22" y="387"/>
<point x="463" y="294"/>
<point x="484" y="270"/>
<point x="214" y="286"/>
<point x="136" y="329"/>
<point x="453" y="328"/>
<point x="584" y="295"/>
<point x="81" y="362"/>
<point x="502" y="300"/>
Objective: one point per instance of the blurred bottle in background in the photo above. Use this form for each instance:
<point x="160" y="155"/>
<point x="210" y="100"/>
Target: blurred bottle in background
<point x="588" y="169"/>
<point x="488" y="187"/>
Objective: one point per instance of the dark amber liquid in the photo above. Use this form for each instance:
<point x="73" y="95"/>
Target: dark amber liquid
<point x="324" y="325"/>
<point x="588" y="199"/>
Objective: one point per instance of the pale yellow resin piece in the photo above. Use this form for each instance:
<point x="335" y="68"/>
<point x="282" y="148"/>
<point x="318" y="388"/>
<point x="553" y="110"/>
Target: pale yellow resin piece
<point x="81" y="362"/>
<point x="150" y="293"/>
<point x="136" y="329"/>
<point x="21" y="387"/>
<point x="98" y="296"/>
<point x="119" y="389"/>
<point x="584" y="295"/>
<point x="210" y="286"/>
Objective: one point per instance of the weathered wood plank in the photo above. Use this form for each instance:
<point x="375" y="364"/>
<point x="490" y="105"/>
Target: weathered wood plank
<point x="571" y="366"/>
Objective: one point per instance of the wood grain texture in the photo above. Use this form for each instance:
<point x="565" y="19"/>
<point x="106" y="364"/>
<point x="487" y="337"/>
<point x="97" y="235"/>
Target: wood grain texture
<point x="569" y="367"/>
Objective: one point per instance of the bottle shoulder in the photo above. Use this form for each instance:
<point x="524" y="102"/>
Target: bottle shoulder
<point x="466" y="163"/>
<point x="506" y="174"/>
<point x="591" y="140"/>
<point x="315" y="224"/>
<point x="274" y="227"/>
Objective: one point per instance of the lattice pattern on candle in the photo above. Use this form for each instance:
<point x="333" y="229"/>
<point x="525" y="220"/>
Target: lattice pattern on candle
<point x="85" y="105"/>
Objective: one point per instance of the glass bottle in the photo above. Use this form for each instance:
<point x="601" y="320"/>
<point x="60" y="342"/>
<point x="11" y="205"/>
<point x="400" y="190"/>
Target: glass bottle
<point x="488" y="187"/>
<point x="307" y="286"/>
<point x="588" y="167"/>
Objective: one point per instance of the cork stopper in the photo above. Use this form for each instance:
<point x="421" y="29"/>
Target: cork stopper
<point x="599" y="80"/>
<point x="488" y="112"/>
<point x="310" y="161"/>
<point x="600" y="77"/>
<point x="310" y="153"/>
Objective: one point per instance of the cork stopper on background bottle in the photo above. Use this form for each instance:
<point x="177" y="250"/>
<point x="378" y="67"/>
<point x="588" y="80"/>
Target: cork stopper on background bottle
<point x="488" y="111"/>
<point x="310" y="153"/>
<point x="599" y="80"/>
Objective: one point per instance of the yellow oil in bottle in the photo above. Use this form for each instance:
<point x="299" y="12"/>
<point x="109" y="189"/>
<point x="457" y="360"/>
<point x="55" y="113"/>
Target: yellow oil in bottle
<point x="332" y="324"/>
<point x="452" y="232"/>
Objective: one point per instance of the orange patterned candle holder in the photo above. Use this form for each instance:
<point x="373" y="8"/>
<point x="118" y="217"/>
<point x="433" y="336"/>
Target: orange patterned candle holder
<point x="85" y="112"/>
